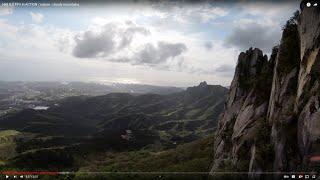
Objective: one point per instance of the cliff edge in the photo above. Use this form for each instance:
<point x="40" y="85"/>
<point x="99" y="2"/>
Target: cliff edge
<point x="271" y="120"/>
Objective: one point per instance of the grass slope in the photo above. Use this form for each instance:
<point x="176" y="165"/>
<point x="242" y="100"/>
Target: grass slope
<point x="190" y="157"/>
<point x="7" y="145"/>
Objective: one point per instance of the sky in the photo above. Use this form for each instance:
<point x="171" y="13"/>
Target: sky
<point x="166" y="43"/>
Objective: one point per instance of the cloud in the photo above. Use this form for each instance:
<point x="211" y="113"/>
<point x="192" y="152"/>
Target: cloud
<point x="152" y="55"/>
<point x="210" y="13"/>
<point x="119" y="42"/>
<point x="208" y="45"/>
<point x="259" y="24"/>
<point x="269" y="9"/>
<point x="129" y="33"/>
<point x="177" y="44"/>
<point x="91" y="45"/>
<point x="225" y="70"/>
<point x="36" y="17"/>
<point x="174" y="12"/>
<point x="104" y="41"/>
<point x="5" y="11"/>
<point x="18" y="40"/>
<point x="161" y="53"/>
<point x="252" y="34"/>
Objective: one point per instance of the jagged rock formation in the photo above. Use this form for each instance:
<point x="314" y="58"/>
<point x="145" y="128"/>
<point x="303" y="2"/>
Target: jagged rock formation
<point x="272" y="116"/>
<point x="244" y="118"/>
<point x="308" y="94"/>
<point x="281" y="115"/>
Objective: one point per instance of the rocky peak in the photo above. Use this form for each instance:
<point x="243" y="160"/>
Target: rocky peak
<point x="250" y="60"/>
<point x="272" y="116"/>
<point x="198" y="89"/>
<point x="202" y="89"/>
<point x="244" y="115"/>
<point x="203" y="84"/>
<point x="251" y="64"/>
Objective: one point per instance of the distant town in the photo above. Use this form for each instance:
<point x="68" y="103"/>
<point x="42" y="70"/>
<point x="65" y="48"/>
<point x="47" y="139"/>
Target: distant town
<point x="15" y="96"/>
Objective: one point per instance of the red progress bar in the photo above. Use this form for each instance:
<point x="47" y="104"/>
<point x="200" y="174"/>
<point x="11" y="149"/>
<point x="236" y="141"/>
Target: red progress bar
<point x="30" y="173"/>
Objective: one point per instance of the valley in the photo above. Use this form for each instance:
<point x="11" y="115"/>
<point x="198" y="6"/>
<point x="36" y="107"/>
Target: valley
<point x="116" y="125"/>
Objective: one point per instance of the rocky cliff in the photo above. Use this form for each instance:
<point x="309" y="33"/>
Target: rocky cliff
<point x="272" y="116"/>
<point x="307" y="106"/>
<point x="241" y="125"/>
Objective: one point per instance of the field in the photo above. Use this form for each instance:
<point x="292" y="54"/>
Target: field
<point x="7" y="144"/>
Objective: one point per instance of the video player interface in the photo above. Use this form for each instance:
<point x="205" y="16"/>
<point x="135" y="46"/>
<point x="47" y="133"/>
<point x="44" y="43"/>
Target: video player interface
<point x="155" y="89"/>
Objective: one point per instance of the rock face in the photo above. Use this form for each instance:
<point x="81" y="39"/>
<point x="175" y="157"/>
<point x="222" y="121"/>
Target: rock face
<point x="236" y="143"/>
<point x="308" y="93"/>
<point x="281" y="116"/>
<point x="272" y="116"/>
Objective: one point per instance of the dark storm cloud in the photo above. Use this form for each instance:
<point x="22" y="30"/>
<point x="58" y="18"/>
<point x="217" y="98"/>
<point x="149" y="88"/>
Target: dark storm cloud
<point x="92" y="44"/>
<point x="152" y="54"/>
<point x="253" y="35"/>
